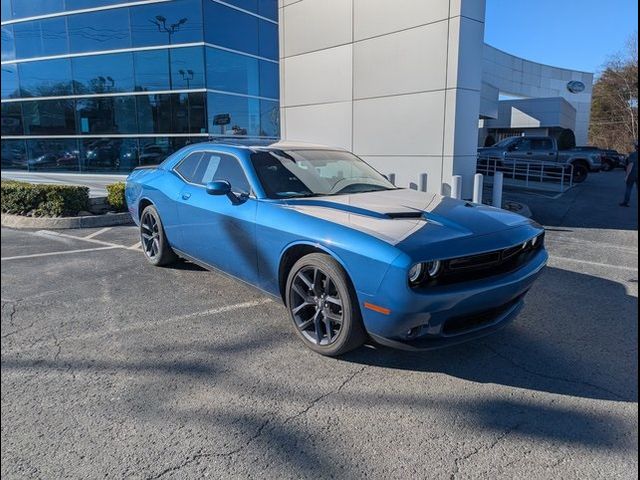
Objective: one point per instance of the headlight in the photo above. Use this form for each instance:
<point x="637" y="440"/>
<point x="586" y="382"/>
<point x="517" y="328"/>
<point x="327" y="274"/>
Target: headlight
<point x="424" y="271"/>
<point x="415" y="273"/>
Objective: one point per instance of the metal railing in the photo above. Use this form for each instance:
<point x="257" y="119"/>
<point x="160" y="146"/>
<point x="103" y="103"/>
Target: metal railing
<point x="529" y="174"/>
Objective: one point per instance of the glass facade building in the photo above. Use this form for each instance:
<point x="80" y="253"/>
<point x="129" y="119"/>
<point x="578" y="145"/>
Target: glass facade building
<point x="108" y="85"/>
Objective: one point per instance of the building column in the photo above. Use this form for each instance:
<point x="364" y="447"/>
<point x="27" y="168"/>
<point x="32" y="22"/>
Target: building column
<point x="396" y="82"/>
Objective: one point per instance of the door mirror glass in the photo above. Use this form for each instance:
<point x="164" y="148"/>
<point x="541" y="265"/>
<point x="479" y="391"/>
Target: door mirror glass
<point x="219" y="187"/>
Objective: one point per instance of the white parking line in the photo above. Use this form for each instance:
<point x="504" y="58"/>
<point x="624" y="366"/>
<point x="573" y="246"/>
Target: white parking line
<point x="595" y="264"/>
<point x="83" y="239"/>
<point x="63" y="252"/>
<point x="135" y="246"/>
<point x="99" y="232"/>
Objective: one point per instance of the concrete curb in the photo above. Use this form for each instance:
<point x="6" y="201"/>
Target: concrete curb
<point x="93" y="221"/>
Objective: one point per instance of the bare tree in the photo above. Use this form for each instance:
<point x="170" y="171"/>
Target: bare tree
<point x="614" y="112"/>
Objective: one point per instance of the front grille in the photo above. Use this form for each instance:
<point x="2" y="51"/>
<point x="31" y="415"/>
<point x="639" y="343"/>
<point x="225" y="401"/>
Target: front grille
<point x="487" y="264"/>
<point x="461" y="325"/>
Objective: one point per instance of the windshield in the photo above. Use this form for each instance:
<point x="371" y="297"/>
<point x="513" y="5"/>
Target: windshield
<point x="311" y="173"/>
<point x="505" y="143"/>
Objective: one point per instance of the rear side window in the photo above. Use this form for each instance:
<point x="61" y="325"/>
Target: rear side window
<point x="204" y="167"/>
<point x="541" y="144"/>
<point x="187" y="168"/>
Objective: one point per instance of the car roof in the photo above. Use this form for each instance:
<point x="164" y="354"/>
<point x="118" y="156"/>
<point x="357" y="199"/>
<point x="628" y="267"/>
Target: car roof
<point x="268" y="145"/>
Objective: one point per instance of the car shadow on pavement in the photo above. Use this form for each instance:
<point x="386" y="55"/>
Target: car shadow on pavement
<point x="576" y="336"/>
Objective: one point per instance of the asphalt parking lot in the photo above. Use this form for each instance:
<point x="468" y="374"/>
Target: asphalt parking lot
<point x="113" y="368"/>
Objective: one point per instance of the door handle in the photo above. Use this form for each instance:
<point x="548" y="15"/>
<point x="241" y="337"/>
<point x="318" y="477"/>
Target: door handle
<point x="186" y="196"/>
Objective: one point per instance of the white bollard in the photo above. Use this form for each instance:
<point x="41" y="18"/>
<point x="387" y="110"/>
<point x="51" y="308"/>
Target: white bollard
<point x="424" y="179"/>
<point x="497" y="189"/>
<point x="392" y="178"/>
<point x="456" y="187"/>
<point x="477" y="188"/>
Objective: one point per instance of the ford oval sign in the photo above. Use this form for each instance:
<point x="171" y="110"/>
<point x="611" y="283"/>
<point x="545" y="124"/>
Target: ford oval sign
<point x="575" y="86"/>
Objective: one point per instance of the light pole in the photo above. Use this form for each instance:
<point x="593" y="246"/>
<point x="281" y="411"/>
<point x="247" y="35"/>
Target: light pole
<point x="161" y="23"/>
<point x="187" y="76"/>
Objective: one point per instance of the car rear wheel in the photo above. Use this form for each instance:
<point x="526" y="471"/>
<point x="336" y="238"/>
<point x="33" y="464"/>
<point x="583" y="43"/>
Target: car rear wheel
<point x="323" y="306"/>
<point x="580" y="172"/>
<point x="154" y="242"/>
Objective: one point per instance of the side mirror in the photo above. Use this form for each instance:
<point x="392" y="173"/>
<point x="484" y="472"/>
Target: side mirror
<point x="220" y="187"/>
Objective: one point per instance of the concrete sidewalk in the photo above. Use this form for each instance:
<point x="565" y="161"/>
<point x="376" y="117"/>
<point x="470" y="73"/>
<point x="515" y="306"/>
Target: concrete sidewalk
<point x="96" y="182"/>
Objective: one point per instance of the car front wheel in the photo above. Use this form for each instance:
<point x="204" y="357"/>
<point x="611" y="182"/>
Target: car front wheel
<point x="323" y="306"/>
<point x="154" y="242"/>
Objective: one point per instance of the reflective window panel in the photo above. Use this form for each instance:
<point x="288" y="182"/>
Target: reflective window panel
<point x="14" y="154"/>
<point x="109" y="154"/>
<point x="152" y="70"/>
<point x="154" y="113"/>
<point x="106" y="115"/>
<point x="31" y="8"/>
<point x="12" y="119"/>
<point x="265" y="8"/>
<point x="187" y="68"/>
<point x="41" y="38"/>
<point x="8" y="43"/>
<point x="269" y="119"/>
<point x="167" y="23"/>
<point x="53" y="154"/>
<point x="45" y="78"/>
<point x="232" y="72"/>
<point x="49" y="117"/>
<point x="9" y="82"/>
<point x="99" y="31"/>
<point x="231" y="115"/>
<point x="103" y="73"/>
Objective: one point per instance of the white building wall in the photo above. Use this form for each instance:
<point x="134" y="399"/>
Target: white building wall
<point x="397" y="82"/>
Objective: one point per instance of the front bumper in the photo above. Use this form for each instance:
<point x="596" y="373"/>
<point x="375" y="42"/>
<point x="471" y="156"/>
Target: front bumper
<point x="445" y="315"/>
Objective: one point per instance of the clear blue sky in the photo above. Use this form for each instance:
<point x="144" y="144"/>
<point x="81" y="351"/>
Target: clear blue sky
<point x="576" y="34"/>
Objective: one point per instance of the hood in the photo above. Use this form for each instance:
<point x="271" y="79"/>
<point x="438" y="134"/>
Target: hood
<point x="397" y="215"/>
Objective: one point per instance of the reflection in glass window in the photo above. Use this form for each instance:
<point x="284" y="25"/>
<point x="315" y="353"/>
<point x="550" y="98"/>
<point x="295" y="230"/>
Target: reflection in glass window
<point x="269" y="79"/>
<point x="268" y="8"/>
<point x="8" y="43"/>
<point x="269" y="119"/>
<point x="41" y="38"/>
<point x="268" y="40"/>
<point x="6" y="15"/>
<point x="31" y="8"/>
<point x="80" y="4"/>
<point x="49" y="117"/>
<point x="109" y="154"/>
<point x="152" y="70"/>
<point x="12" y="119"/>
<point x="231" y="115"/>
<point x="45" y="78"/>
<point x="53" y="154"/>
<point x="188" y="113"/>
<point x="231" y="28"/>
<point x="14" y="154"/>
<point x="154" y="150"/>
<point x="99" y="31"/>
<point x="103" y="73"/>
<point x="187" y="68"/>
<point x="232" y="72"/>
<point x="166" y="23"/>
<point x="9" y="81"/>
<point x="154" y="113"/>
<point x="106" y="115"/>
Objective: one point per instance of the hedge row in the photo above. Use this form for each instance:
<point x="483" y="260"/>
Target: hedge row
<point x="40" y="200"/>
<point x="115" y="196"/>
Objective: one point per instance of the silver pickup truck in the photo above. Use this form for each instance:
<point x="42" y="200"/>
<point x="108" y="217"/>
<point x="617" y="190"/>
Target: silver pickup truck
<point x="541" y="149"/>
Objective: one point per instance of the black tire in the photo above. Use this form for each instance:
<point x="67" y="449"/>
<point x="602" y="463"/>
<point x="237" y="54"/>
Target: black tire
<point x="607" y="166"/>
<point x="580" y="172"/>
<point x="318" y="291"/>
<point x="154" y="242"/>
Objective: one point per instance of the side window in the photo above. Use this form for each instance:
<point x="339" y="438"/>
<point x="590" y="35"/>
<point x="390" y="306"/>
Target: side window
<point x="541" y="144"/>
<point x="524" y="145"/>
<point x="187" y="168"/>
<point x="215" y="166"/>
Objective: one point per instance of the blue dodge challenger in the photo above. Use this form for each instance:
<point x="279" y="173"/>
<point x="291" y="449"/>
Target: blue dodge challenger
<point x="352" y="256"/>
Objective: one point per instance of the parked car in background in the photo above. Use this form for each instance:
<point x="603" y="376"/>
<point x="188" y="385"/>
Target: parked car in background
<point x="536" y="149"/>
<point x="352" y="256"/>
<point x="611" y="159"/>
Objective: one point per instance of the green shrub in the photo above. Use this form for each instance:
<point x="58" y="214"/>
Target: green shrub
<point x="20" y="198"/>
<point x="115" y="196"/>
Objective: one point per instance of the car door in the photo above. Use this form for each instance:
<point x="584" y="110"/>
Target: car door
<point x="519" y="151"/>
<point x="542" y="150"/>
<point x="215" y="230"/>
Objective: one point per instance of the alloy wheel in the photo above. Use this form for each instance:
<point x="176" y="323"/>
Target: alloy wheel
<point x="150" y="235"/>
<point x="316" y="306"/>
